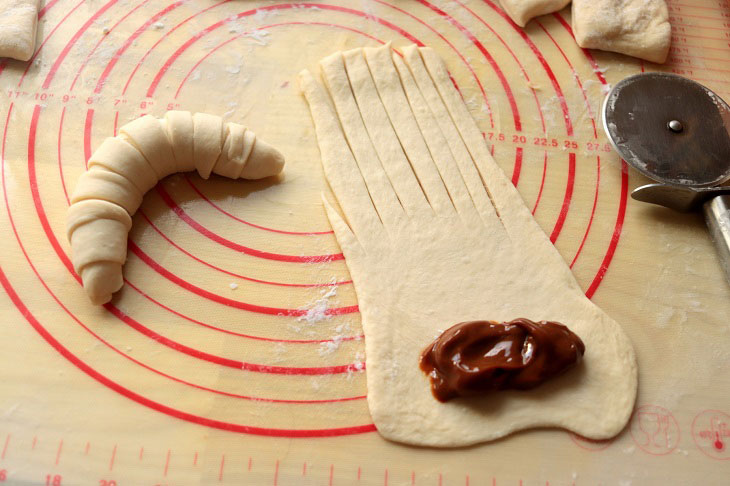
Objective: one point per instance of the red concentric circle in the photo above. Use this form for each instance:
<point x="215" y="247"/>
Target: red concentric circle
<point x="261" y="344"/>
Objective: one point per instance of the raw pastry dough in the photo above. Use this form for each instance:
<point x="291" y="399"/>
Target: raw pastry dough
<point x="522" y="11"/>
<point x="18" y="21"/>
<point x="421" y="263"/>
<point x="638" y="28"/>
<point x="124" y="167"/>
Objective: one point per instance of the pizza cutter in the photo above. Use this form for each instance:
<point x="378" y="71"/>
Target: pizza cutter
<point x="676" y="132"/>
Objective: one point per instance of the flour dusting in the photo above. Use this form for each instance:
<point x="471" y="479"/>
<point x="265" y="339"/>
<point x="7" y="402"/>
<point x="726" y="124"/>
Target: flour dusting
<point x="317" y="310"/>
<point x="258" y="36"/>
<point x="329" y="347"/>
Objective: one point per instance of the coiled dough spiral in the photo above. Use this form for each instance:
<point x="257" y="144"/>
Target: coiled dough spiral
<point x="124" y="167"/>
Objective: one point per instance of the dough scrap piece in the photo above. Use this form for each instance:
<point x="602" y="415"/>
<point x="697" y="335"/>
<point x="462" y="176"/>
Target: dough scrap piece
<point x="18" y="23"/>
<point x="420" y="273"/>
<point x="522" y="11"/>
<point x="638" y="28"/>
<point x="124" y="167"/>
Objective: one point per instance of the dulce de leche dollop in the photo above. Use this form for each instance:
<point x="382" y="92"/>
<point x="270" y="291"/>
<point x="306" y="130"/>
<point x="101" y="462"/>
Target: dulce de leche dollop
<point x="478" y="357"/>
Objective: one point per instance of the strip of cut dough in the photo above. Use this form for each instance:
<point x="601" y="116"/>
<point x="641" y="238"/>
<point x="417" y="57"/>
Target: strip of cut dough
<point x="118" y="156"/>
<point x="208" y="142"/>
<point x="456" y="145"/>
<point x="123" y="168"/>
<point x="405" y="126"/>
<point x="380" y="131"/>
<point x="638" y="28"/>
<point x="522" y="11"/>
<point x="513" y="214"/>
<point x="228" y="164"/>
<point x="179" y="127"/>
<point x="103" y="184"/>
<point x="370" y="168"/>
<point x="338" y="161"/>
<point x="431" y="270"/>
<point x="147" y="135"/>
<point x="437" y="144"/>
<point x="18" y="23"/>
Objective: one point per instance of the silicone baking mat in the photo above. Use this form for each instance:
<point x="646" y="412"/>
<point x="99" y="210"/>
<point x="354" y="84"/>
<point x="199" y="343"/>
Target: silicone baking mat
<point x="234" y="353"/>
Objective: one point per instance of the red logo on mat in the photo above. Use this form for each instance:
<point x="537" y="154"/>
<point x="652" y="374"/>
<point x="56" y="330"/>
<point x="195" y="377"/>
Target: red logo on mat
<point x="711" y="433"/>
<point x="655" y="430"/>
<point x="590" y="444"/>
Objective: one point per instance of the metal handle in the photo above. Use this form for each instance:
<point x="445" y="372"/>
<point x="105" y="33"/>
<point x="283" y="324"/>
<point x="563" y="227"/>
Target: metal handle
<point x="717" y="217"/>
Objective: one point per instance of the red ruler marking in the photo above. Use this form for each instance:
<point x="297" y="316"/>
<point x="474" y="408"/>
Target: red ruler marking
<point x="58" y="154"/>
<point x="616" y="233"/>
<point x="716" y="9"/>
<point x="691" y="58"/>
<point x="64" y="52"/>
<point x="248" y="223"/>
<point x="683" y="15"/>
<point x="58" y="452"/>
<point x="128" y="42"/>
<point x="87" y="136"/>
<point x="566" y="200"/>
<point x="167" y="463"/>
<point x="678" y="24"/>
<point x="542" y="183"/>
<point x="35" y="54"/>
<point x="7" y="437"/>
<point x="706" y="37"/>
<point x="183" y="215"/>
<point x="33" y="321"/>
<point x="163" y="37"/>
<point x="103" y="37"/>
<point x="111" y="460"/>
<point x="593" y="211"/>
<point x="197" y="36"/>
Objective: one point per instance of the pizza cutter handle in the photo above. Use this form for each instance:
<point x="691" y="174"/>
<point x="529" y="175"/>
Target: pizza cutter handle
<point x="717" y="217"/>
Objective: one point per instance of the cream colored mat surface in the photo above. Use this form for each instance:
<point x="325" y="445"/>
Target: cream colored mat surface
<point x="234" y="353"/>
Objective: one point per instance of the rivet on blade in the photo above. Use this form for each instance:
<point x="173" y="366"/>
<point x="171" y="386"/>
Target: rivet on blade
<point x="675" y="126"/>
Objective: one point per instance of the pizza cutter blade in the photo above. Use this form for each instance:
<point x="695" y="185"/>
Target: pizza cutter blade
<point x="676" y="132"/>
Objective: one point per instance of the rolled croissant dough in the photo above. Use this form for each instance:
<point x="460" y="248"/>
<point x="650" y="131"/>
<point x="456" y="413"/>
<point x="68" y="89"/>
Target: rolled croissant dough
<point x="124" y="167"/>
<point x="421" y="263"/>
<point x="638" y="28"/>
<point x="18" y="21"/>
